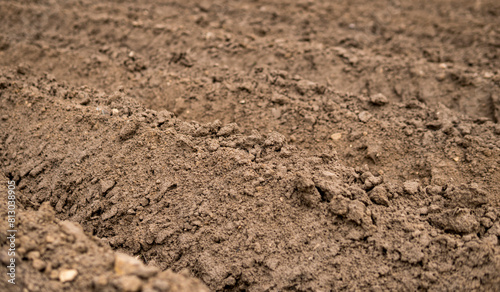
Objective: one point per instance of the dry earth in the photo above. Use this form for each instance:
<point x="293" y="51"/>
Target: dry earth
<point x="252" y="145"/>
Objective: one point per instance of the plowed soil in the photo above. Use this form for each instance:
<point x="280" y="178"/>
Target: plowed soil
<point x="252" y="145"/>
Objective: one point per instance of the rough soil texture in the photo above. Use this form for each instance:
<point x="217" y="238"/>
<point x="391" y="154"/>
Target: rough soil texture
<point x="57" y="255"/>
<point x="254" y="145"/>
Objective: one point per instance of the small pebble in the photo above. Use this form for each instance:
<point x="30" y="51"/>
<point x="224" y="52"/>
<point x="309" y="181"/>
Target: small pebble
<point x="379" y="99"/>
<point x="336" y="136"/>
<point x="67" y="275"/>
<point x="126" y="265"/>
<point x="364" y="116"/>
<point x="441" y="76"/>
<point x="129" y="283"/>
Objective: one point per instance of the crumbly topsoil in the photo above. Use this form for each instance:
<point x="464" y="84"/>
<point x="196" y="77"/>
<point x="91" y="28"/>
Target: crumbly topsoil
<point x="302" y="146"/>
<point x="55" y="255"/>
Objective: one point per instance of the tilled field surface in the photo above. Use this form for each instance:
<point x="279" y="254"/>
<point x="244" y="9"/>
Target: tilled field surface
<point x="252" y="145"/>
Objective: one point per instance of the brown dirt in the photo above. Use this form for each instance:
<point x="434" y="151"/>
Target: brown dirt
<point x="51" y="248"/>
<point x="260" y="146"/>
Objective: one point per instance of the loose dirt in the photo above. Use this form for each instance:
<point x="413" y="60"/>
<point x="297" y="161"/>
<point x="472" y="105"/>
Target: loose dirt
<point x="254" y="146"/>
